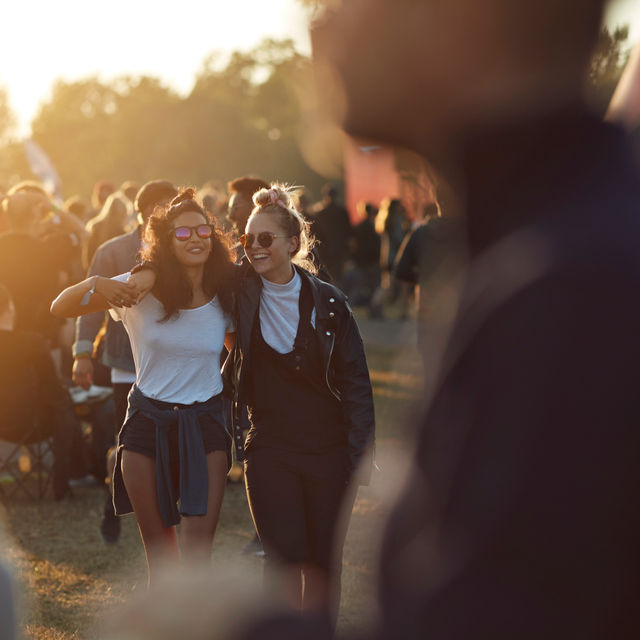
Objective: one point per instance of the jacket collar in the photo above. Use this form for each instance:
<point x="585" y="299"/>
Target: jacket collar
<point x="252" y="285"/>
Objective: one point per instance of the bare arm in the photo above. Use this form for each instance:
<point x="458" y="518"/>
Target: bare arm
<point x="107" y="292"/>
<point x="143" y="280"/>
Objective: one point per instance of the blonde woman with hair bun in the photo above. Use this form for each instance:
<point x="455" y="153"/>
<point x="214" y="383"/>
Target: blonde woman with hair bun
<point x="299" y="365"/>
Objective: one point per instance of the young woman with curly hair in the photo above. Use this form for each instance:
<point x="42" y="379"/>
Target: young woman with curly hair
<point x="173" y="445"/>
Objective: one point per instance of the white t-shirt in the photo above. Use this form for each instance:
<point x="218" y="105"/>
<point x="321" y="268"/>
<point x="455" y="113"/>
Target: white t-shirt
<point x="177" y="360"/>
<point x="280" y="313"/>
<point x="121" y="376"/>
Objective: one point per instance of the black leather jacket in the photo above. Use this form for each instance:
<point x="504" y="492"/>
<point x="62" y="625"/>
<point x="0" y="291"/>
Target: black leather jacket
<point x="343" y="358"/>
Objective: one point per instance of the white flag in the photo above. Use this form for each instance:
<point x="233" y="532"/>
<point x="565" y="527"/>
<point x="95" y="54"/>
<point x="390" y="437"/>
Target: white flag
<point x="41" y="165"/>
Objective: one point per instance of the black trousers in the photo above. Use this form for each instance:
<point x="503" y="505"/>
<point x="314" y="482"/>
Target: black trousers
<point x="296" y="501"/>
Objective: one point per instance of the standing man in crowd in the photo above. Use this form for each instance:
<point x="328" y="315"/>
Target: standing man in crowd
<point x="111" y="259"/>
<point x="430" y="259"/>
<point x="366" y="258"/>
<point x="241" y="192"/>
<point x="36" y="257"/>
<point x="332" y="229"/>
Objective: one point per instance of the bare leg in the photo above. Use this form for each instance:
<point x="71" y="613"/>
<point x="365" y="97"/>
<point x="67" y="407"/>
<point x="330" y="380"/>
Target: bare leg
<point x="196" y="532"/>
<point x="160" y="542"/>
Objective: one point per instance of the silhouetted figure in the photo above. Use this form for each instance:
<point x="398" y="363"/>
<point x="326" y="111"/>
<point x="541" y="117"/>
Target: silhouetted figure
<point x="240" y="205"/>
<point x="112" y="221"/>
<point x="99" y="194"/>
<point x="332" y="229"/>
<point x="77" y="207"/>
<point x="430" y="258"/>
<point x="366" y="258"/>
<point x="32" y="266"/>
<point x="392" y="224"/>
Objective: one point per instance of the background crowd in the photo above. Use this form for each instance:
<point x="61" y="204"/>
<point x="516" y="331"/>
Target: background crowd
<point x="45" y="246"/>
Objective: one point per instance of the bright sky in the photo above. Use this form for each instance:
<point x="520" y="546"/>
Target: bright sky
<point x="76" y="38"/>
<point x="44" y="40"/>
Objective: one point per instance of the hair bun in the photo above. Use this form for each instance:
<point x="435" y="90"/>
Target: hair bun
<point x="275" y="195"/>
<point x="186" y="193"/>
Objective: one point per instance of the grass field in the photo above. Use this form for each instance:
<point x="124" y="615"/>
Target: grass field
<point x="70" y="583"/>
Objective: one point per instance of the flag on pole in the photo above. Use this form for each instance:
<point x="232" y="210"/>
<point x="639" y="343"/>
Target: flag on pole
<point x="41" y="165"/>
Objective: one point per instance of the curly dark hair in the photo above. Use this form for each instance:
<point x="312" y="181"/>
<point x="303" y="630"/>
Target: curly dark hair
<point x="172" y="286"/>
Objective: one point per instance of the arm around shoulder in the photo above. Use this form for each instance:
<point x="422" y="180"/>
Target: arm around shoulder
<point x="93" y="294"/>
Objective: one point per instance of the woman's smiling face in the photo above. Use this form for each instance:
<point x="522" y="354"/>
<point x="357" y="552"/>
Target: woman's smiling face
<point x="273" y="262"/>
<point x="194" y="251"/>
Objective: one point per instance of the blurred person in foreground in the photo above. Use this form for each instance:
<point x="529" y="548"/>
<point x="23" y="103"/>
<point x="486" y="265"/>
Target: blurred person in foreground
<point x="519" y="518"/>
<point x="112" y="258"/>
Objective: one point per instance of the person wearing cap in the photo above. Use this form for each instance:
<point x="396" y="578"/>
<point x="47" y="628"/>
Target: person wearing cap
<point x="116" y="256"/>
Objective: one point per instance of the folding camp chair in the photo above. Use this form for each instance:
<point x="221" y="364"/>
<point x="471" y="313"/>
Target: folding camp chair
<point x="26" y="457"/>
<point x="26" y="466"/>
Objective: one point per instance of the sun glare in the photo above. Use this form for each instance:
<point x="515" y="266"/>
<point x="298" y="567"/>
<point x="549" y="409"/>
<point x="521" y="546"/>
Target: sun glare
<point x="75" y="39"/>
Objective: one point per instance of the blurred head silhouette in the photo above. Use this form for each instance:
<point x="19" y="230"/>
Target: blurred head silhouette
<point x="25" y="210"/>
<point x="464" y="64"/>
<point x="241" y="192"/>
<point x="152" y="194"/>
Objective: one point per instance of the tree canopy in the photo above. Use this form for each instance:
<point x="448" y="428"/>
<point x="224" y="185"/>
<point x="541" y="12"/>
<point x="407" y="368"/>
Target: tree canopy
<point x="241" y="117"/>
<point x="247" y="114"/>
